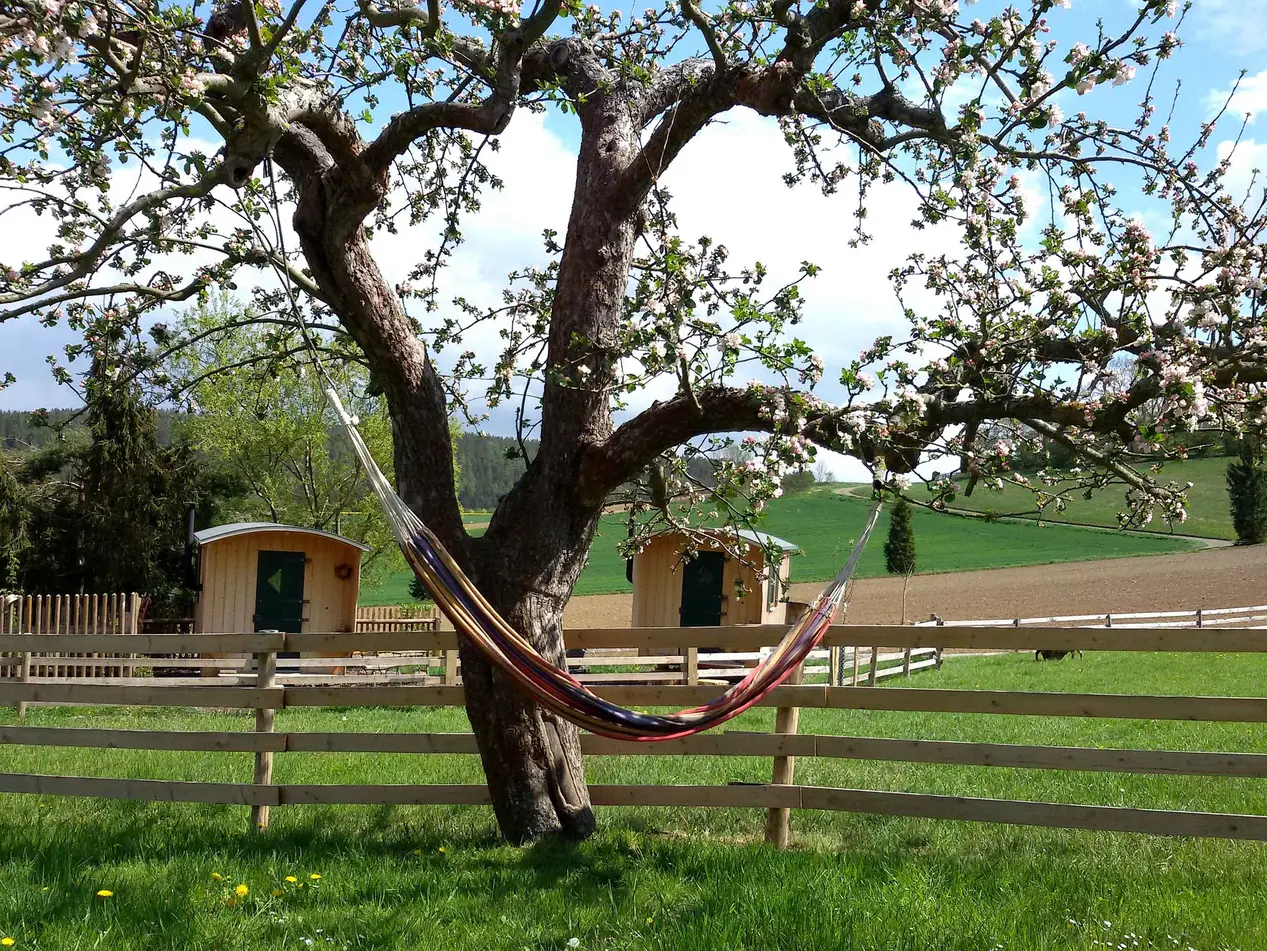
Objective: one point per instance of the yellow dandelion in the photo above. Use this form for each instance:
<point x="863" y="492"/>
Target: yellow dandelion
<point x="442" y="850"/>
<point x="315" y="876"/>
<point x="276" y="893"/>
<point x="241" y="891"/>
<point x="105" y="893"/>
<point x="216" y="876"/>
<point x="7" y="942"/>
<point x="291" y="879"/>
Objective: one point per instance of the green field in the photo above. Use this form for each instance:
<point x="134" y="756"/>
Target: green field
<point x="665" y="879"/>
<point x="825" y="523"/>
<point x="1208" y="512"/>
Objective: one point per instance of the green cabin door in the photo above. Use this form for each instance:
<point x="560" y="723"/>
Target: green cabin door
<point x="279" y="592"/>
<point x="702" y="589"/>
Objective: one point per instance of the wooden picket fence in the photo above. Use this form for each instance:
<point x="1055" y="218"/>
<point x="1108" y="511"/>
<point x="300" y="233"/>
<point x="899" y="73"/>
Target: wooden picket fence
<point x="395" y="617"/>
<point x="263" y="693"/>
<point x="55" y="615"/>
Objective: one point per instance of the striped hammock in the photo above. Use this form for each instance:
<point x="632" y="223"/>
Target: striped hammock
<point x="552" y="686"/>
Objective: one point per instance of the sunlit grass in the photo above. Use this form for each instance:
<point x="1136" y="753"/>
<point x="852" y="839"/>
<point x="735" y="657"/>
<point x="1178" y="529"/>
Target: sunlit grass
<point x="438" y="877"/>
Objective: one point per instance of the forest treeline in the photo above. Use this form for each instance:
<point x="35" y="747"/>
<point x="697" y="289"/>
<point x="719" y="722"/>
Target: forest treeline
<point x="486" y="470"/>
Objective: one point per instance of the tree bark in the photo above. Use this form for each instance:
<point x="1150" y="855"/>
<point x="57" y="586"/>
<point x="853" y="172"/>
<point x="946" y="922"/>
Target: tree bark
<point x="531" y="757"/>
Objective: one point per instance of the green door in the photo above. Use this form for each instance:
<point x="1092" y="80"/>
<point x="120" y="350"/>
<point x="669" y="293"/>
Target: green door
<point x="702" y="589"/>
<point x="279" y="592"/>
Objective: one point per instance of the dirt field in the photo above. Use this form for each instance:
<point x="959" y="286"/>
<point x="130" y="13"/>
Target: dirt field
<point x="1214" y="578"/>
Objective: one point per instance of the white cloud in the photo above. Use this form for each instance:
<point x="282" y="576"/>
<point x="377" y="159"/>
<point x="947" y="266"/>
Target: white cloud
<point x="1250" y="97"/>
<point x="1230" y="26"/>
<point x="728" y="184"/>
<point x="1248" y="160"/>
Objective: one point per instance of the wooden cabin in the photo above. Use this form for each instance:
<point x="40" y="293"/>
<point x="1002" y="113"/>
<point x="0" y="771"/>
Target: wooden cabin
<point x="703" y="591"/>
<point x="260" y="576"/>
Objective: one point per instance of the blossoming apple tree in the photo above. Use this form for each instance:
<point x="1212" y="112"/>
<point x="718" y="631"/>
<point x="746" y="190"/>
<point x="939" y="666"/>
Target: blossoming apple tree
<point x="357" y="117"/>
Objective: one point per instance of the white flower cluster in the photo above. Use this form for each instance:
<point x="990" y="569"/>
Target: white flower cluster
<point x="503" y="7"/>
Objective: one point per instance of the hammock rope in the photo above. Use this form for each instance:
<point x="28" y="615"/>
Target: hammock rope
<point x="546" y="683"/>
<point x="555" y="688"/>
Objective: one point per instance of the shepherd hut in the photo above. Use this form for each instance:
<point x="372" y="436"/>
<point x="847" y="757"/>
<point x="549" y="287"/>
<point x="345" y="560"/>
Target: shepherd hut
<point x="705" y="590"/>
<point x="260" y="576"/>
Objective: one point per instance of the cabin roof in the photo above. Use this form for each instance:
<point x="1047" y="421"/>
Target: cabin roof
<point x="763" y="539"/>
<point x="757" y="538"/>
<point x="219" y="532"/>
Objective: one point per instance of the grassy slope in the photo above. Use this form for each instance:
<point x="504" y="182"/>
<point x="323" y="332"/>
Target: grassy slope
<point x="825" y="524"/>
<point x="1208" y="514"/>
<point x="413" y="877"/>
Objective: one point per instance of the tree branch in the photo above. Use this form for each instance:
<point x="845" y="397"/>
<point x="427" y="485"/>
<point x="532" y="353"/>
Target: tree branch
<point x="705" y="25"/>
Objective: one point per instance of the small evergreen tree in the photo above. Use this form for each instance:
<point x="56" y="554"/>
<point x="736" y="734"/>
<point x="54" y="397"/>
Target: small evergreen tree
<point x="1247" y="492"/>
<point x="899" y="549"/>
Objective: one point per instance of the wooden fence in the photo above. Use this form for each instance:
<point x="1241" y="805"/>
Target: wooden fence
<point x="395" y="617"/>
<point x="1201" y="617"/>
<point x="55" y="615"/>
<point x="265" y="695"/>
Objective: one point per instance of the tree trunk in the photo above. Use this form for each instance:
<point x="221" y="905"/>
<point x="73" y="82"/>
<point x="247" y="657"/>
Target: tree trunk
<point x="531" y="757"/>
<point x="537" y="541"/>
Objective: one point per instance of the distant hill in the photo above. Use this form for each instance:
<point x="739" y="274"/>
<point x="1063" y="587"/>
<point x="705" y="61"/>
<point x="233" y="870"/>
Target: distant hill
<point x="20" y="429"/>
<point x="487" y="473"/>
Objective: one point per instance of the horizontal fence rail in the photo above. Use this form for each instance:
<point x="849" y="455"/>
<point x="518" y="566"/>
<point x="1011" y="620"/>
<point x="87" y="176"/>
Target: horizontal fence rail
<point x="743" y="638"/>
<point x="248" y="678"/>
<point x="1200" y="617"/>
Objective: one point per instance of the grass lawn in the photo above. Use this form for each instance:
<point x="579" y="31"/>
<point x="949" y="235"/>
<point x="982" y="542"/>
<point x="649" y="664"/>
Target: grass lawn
<point x="825" y="523"/>
<point x="1208" y="512"/>
<point x="437" y="877"/>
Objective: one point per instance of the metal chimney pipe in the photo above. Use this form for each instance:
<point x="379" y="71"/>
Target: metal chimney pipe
<point x="191" y="548"/>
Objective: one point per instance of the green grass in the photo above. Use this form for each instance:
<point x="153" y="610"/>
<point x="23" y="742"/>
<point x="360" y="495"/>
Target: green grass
<point x="1208" y="513"/>
<point x="825" y="523"/>
<point x="438" y="877"/>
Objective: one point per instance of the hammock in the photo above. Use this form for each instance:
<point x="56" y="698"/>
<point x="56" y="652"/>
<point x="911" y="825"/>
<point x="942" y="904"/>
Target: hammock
<point x="555" y="688"/>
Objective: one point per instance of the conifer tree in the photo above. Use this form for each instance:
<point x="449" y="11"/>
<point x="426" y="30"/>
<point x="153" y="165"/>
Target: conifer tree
<point x="899" y="549"/>
<point x="1247" y="492"/>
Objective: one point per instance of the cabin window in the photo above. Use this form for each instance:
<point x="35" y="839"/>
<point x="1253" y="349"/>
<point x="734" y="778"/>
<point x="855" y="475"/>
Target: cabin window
<point x="772" y="591"/>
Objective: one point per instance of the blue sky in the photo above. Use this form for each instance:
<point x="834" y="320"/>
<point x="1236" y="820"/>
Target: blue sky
<point x="728" y="184"/>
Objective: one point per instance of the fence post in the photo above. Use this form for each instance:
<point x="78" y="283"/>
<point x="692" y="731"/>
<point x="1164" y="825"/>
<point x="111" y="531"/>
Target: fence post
<point x="450" y="667"/>
<point x="906" y="664"/>
<point x="26" y="678"/>
<point x="1199" y="620"/>
<point x="1108" y="620"/>
<point x="690" y="665"/>
<point x="855" y="666"/>
<point x="875" y="662"/>
<point x="265" y="677"/>
<point x="779" y="820"/>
